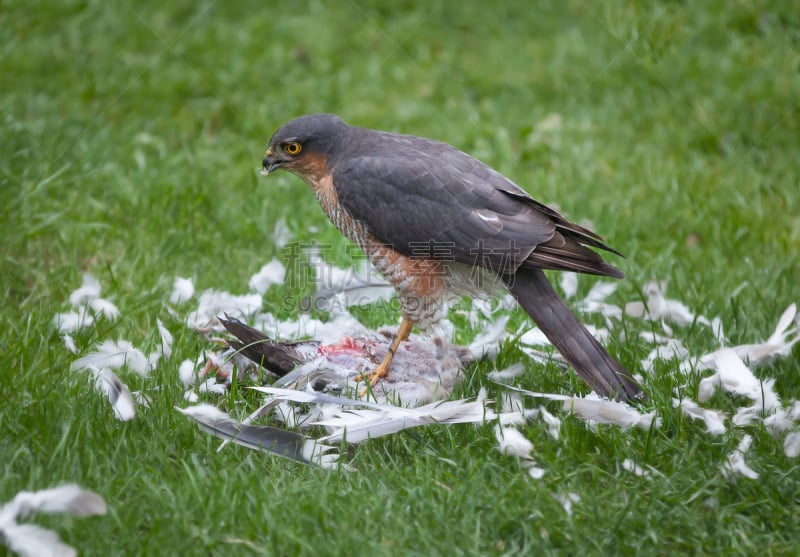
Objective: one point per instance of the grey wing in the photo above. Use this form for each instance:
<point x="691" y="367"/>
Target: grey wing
<point x="441" y="210"/>
<point x="443" y="204"/>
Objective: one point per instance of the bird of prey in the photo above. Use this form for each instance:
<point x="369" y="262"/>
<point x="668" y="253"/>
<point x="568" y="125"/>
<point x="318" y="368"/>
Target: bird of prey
<point x="437" y="223"/>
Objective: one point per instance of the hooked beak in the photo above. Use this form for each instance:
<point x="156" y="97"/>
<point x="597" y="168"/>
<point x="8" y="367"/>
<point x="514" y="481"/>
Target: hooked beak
<point x="270" y="163"/>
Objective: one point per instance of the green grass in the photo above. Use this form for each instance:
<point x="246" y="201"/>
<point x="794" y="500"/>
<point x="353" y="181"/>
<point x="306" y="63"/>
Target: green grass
<point x="132" y="133"/>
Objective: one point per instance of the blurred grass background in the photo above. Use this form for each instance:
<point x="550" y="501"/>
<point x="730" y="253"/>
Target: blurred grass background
<point x="132" y="135"/>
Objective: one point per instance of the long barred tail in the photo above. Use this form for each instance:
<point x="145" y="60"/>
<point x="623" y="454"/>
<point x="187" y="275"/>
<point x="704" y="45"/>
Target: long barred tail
<point x="590" y="360"/>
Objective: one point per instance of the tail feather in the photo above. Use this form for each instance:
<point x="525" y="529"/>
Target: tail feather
<point x="584" y="353"/>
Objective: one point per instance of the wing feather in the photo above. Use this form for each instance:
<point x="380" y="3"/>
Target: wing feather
<point x="427" y="199"/>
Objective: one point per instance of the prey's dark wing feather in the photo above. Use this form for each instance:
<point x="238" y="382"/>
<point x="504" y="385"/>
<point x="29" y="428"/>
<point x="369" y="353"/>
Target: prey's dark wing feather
<point x="435" y="201"/>
<point x="278" y="357"/>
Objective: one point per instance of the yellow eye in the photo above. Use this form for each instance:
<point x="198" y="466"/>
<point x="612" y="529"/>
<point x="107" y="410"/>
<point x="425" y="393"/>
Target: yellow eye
<point x="293" y="148"/>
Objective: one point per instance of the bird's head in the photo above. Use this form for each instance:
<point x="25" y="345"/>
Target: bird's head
<point x="303" y="142"/>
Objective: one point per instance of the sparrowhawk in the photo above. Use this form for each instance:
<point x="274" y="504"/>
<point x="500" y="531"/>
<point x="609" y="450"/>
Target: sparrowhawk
<point x="436" y="223"/>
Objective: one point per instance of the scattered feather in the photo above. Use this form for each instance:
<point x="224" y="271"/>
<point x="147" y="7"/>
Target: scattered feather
<point x="714" y="419"/>
<point x="782" y="334"/>
<point x="553" y="423"/>
<point x="567" y="501"/>
<point x="604" y="411"/>
<point x="105" y="308"/>
<point x="599" y="410"/>
<point x="211" y="386"/>
<point x="281" y="234"/>
<point x="88" y="291"/>
<point x="535" y="472"/>
<point x="165" y="349"/>
<point x="280" y="442"/>
<point x="88" y="295"/>
<point x="569" y="284"/>
<point x="36" y="541"/>
<point x="359" y="420"/>
<point x="673" y="349"/>
<point x="305" y="326"/>
<point x="69" y="342"/>
<point x="735" y="377"/>
<point x="187" y="373"/>
<point x="631" y="466"/>
<point x="72" y="321"/>
<point x="791" y="444"/>
<point x="114" y="355"/>
<point x="534" y="337"/>
<point x="213" y="303"/>
<point x="338" y="289"/>
<point x="182" y="291"/>
<point x="487" y="342"/>
<point x="779" y="421"/>
<point x="780" y="343"/>
<point x="735" y="463"/>
<point x="508" y="373"/>
<point x="658" y="307"/>
<point x="273" y="272"/>
<point x="118" y="393"/>
<point x="512" y="442"/>
<point x="595" y="301"/>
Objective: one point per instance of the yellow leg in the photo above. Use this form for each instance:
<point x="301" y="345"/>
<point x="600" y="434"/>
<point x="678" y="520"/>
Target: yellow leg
<point x="383" y="368"/>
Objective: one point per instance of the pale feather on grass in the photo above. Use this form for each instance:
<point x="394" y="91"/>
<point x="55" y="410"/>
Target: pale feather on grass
<point x="118" y="393"/>
<point x="271" y="273"/>
<point x="360" y="420"/>
<point x="553" y="423"/>
<point x="534" y="337"/>
<point x="211" y="386"/>
<point x="595" y="409"/>
<point x="569" y="284"/>
<point x="659" y="307"/>
<point x="182" y="291"/>
<point x="791" y="444"/>
<point x="779" y="421"/>
<point x="305" y="326"/>
<point x="779" y="344"/>
<point x="631" y="466"/>
<point x="187" y="373"/>
<point x="512" y="442"/>
<point x="114" y="355"/>
<point x="714" y="419"/>
<point x="673" y="349"/>
<point x="213" y="303"/>
<point x="735" y="464"/>
<point x="101" y="306"/>
<point x="487" y="342"/>
<point x="592" y="408"/>
<point x="88" y="295"/>
<point x="281" y="234"/>
<point x="165" y="348"/>
<point x="36" y="541"/>
<point x="69" y="343"/>
<point x="339" y="289"/>
<point x="506" y="374"/>
<point x="280" y="442"/>
<point x="72" y="321"/>
<point x="567" y="500"/>
<point x="88" y="291"/>
<point x="595" y="301"/>
<point x="735" y="377"/>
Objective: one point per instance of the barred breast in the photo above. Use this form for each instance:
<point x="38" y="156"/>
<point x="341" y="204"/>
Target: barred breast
<point x="421" y="284"/>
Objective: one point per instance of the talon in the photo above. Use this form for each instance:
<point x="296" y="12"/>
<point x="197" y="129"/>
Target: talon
<point x="383" y="368"/>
